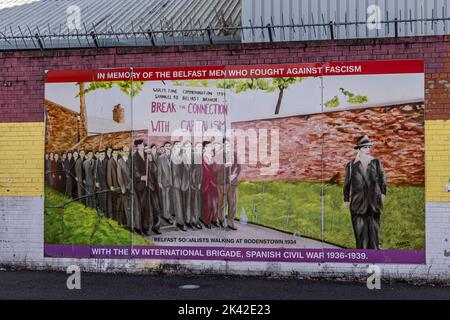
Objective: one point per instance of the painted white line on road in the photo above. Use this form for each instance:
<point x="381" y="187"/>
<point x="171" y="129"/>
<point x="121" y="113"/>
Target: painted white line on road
<point x="189" y="287"/>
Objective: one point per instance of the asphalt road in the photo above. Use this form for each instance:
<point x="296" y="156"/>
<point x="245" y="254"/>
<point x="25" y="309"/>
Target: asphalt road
<point x="51" y="285"/>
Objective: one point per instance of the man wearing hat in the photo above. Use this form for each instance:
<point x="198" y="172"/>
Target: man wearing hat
<point x="364" y="192"/>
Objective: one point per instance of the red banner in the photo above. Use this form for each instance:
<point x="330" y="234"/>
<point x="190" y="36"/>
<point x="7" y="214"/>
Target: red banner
<point x="239" y="72"/>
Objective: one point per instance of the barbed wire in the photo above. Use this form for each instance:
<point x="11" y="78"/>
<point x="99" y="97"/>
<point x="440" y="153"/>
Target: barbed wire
<point x="206" y="35"/>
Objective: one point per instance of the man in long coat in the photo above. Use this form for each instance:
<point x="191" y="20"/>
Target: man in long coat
<point x="69" y="165"/>
<point x="130" y="203"/>
<point x="114" y="200"/>
<point x="196" y="186"/>
<point x="73" y="174"/>
<point x="177" y="179"/>
<point x="186" y="183"/>
<point x="153" y="191"/>
<point x="219" y="172"/>
<point x="232" y="170"/>
<point x="89" y="182"/>
<point x="140" y="185"/>
<point x="48" y="170"/>
<point x="101" y="184"/>
<point x="79" y="170"/>
<point x="165" y="182"/>
<point x="365" y="189"/>
<point x="62" y="170"/>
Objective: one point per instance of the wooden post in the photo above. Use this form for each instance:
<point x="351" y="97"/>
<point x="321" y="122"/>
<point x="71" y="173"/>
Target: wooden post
<point x="82" y="121"/>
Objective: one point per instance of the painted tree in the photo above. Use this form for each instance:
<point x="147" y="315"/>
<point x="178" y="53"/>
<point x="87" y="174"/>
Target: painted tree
<point x="82" y="121"/>
<point x="130" y="88"/>
<point x="270" y="85"/>
<point x="242" y="85"/>
<point x="352" y="99"/>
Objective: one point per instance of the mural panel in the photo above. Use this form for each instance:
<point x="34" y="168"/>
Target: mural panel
<point x="292" y="163"/>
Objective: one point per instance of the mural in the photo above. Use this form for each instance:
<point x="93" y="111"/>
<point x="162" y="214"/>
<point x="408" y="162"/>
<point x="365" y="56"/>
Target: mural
<point x="291" y="163"/>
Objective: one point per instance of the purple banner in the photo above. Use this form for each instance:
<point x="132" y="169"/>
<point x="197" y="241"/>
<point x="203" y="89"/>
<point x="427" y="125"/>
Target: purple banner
<point x="238" y="254"/>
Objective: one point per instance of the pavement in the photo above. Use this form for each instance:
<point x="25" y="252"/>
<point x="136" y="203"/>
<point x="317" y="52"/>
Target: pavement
<point x="26" y="285"/>
<point x="249" y="233"/>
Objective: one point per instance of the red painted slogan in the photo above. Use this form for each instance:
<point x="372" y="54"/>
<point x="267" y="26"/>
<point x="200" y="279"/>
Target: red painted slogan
<point x="239" y="72"/>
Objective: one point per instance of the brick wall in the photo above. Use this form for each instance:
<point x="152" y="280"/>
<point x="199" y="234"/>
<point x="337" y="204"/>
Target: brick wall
<point x="22" y="148"/>
<point x="300" y="153"/>
<point x="23" y="101"/>
<point x="63" y="128"/>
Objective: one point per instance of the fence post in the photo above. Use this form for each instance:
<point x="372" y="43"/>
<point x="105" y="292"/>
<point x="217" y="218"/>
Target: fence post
<point x="269" y="28"/>
<point x="331" y="30"/>
<point x="396" y="27"/>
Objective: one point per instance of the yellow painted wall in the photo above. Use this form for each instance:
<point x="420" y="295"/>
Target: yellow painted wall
<point x="437" y="163"/>
<point x="22" y="159"/>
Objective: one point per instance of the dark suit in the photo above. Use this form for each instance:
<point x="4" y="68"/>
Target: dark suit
<point x="48" y="172"/>
<point x="196" y="193"/>
<point x="232" y="188"/>
<point x="54" y="174"/>
<point x="228" y="189"/>
<point x="177" y="196"/>
<point x="79" y="173"/>
<point x="69" y="166"/>
<point x="115" y="204"/>
<point x="130" y="208"/>
<point x="89" y="182"/>
<point x="186" y="192"/>
<point x="153" y="194"/>
<point x="165" y="184"/>
<point x="73" y="175"/>
<point x="108" y="195"/>
<point x="140" y="189"/>
<point x="364" y="191"/>
<point x="101" y="184"/>
<point x="61" y="174"/>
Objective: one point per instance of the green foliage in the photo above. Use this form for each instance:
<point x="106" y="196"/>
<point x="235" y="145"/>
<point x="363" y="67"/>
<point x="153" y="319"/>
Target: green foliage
<point x="226" y="84"/>
<point x="333" y="103"/>
<point x="354" y="99"/>
<point x="78" y="225"/>
<point x="243" y="85"/>
<point x="403" y="220"/>
<point x="284" y="83"/>
<point x="193" y="83"/>
<point x="131" y="89"/>
<point x="351" y="99"/>
<point x="268" y="85"/>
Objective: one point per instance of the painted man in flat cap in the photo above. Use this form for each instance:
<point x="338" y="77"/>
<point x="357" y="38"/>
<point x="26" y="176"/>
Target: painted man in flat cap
<point x="365" y="189"/>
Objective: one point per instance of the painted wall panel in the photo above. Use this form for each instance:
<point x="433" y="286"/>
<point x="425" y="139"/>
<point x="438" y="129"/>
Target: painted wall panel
<point x="25" y="72"/>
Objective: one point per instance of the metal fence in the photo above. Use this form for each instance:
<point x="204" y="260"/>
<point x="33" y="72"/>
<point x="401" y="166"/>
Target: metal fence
<point x="38" y="24"/>
<point x="204" y="36"/>
<point x="261" y="21"/>
<point x="299" y="20"/>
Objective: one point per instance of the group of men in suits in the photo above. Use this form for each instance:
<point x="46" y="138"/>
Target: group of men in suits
<point x="184" y="185"/>
<point x="94" y="178"/>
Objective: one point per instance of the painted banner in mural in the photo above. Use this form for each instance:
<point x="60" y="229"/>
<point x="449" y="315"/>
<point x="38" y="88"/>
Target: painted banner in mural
<point x="310" y="163"/>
